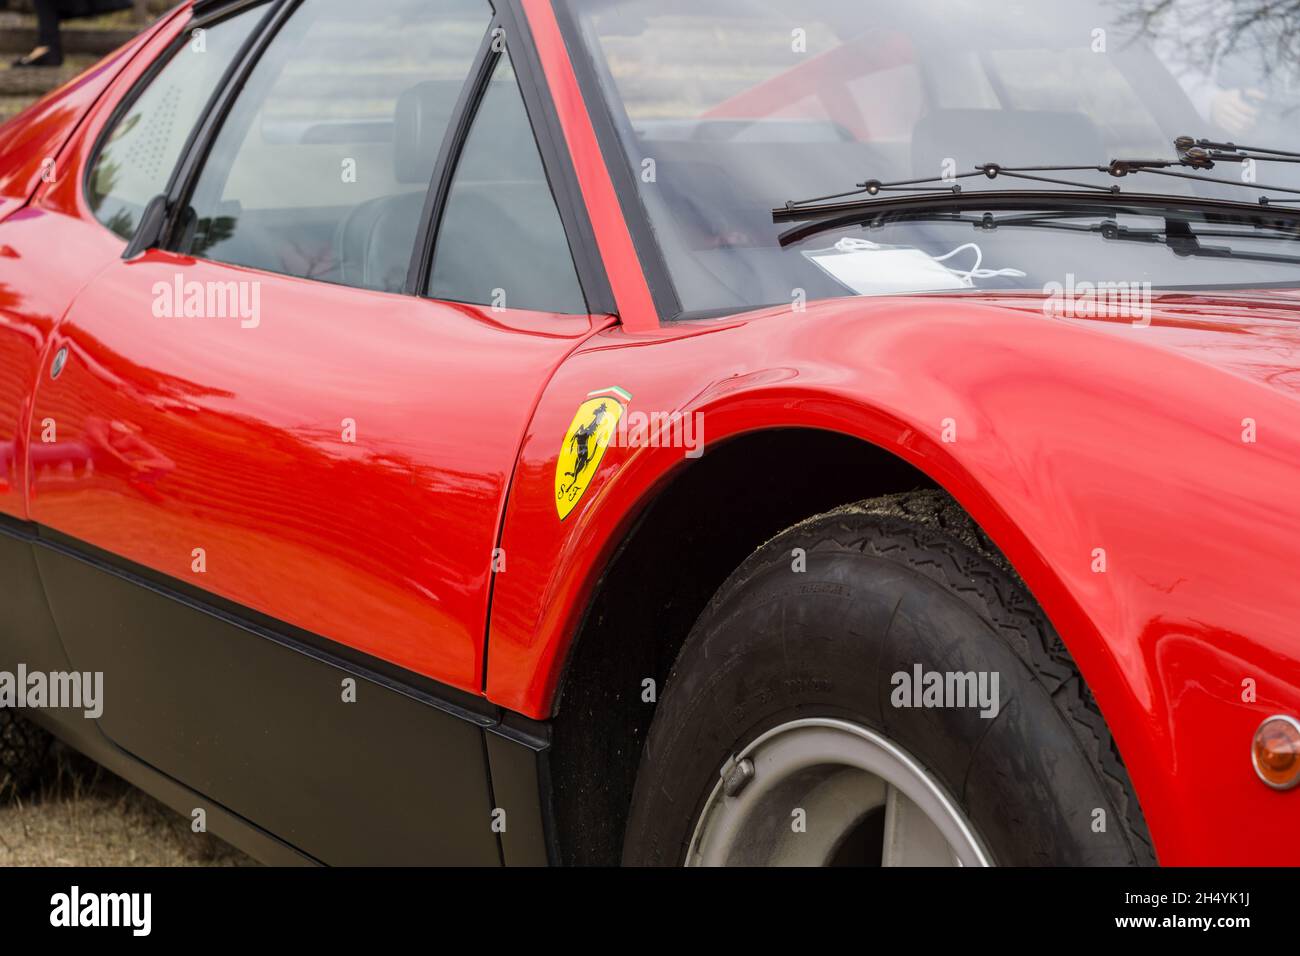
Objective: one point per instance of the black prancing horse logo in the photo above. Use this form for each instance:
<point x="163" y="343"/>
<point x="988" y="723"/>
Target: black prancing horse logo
<point x="582" y="437"/>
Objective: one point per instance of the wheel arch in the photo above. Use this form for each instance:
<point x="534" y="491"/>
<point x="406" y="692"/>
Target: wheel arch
<point x="549" y="603"/>
<point x="642" y="607"/>
<point x="659" y="565"/>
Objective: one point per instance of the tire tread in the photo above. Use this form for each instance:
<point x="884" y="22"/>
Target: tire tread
<point x="928" y="532"/>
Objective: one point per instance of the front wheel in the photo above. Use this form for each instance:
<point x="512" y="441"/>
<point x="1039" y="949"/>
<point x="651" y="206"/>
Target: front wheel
<point x="876" y="687"/>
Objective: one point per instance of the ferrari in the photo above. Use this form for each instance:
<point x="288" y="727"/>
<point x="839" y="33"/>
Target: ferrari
<point x="665" y="432"/>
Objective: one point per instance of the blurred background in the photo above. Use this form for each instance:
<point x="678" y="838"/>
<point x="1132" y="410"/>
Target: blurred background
<point x="85" y="40"/>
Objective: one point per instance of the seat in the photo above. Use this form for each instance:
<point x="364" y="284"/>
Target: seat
<point x="375" y="238"/>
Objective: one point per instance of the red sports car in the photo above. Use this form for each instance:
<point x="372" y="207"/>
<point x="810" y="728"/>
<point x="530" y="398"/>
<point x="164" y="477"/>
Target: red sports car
<point x="725" y="431"/>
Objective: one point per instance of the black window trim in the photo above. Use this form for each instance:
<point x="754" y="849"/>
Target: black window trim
<point x="186" y="175"/>
<point x="509" y="22"/>
<point x="507" y="17"/>
<point x="557" y="163"/>
<point x="204" y="14"/>
<point x="444" y="168"/>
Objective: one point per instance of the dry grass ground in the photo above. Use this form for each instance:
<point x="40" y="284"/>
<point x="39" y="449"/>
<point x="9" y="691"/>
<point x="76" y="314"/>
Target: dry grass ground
<point x="84" y="816"/>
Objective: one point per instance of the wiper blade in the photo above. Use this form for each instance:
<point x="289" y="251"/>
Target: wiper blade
<point x="1200" y="154"/>
<point x="1177" y="236"/>
<point x="1065" y="220"/>
<point x="865" y="211"/>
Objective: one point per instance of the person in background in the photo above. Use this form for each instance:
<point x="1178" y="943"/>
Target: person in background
<point x="1193" y="48"/>
<point x="49" y="49"/>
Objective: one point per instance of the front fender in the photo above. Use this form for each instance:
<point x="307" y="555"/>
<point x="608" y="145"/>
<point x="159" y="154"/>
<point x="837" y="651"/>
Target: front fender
<point x="1158" y="542"/>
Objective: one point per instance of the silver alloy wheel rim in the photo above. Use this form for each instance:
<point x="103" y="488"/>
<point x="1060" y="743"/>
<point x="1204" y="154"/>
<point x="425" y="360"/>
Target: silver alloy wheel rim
<point x="838" y="774"/>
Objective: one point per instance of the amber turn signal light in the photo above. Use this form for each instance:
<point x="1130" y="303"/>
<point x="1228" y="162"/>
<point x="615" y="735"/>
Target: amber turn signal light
<point x="1275" y="752"/>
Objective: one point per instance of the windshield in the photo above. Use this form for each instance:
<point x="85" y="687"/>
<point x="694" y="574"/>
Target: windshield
<point x="725" y="109"/>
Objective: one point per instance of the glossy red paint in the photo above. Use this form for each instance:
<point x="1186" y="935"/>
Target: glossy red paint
<point x="1071" y="436"/>
<point x="205" y="433"/>
<point x="1065" y="444"/>
<point x="48" y="253"/>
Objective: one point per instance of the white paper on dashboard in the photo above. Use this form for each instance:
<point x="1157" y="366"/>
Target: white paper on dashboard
<point x="885" y="270"/>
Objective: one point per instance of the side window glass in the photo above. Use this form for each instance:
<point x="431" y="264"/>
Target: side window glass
<point x="136" y="159"/>
<point x="321" y="168"/>
<point x="501" y="241"/>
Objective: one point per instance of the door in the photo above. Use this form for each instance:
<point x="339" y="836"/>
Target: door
<point x="304" y="454"/>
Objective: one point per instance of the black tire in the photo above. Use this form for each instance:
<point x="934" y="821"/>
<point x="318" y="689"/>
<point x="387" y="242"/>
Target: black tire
<point x="889" y="583"/>
<point x="24" y="751"/>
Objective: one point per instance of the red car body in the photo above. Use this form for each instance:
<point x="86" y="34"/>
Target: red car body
<point x="1071" y="437"/>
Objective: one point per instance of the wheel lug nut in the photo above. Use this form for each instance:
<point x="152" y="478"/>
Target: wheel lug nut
<point x="736" y="776"/>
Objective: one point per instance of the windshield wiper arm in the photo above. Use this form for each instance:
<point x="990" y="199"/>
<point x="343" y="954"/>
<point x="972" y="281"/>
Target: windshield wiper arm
<point x="1201" y="154"/>
<point x="1208" y="150"/>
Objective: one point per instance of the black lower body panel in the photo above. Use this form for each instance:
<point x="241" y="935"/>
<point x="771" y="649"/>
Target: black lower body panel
<point x="293" y="747"/>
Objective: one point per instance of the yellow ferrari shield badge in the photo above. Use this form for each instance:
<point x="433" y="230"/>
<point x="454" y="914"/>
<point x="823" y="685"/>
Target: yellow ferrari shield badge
<point x="584" y="445"/>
